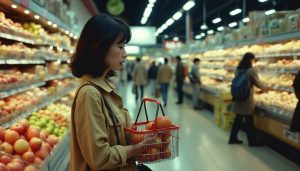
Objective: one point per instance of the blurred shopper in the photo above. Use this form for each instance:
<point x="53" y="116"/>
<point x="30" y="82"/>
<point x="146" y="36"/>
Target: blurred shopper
<point x="164" y="77"/>
<point x="242" y="90"/>
<point x="295" y="125"/>
<point x="194" y="77"/>
<point x="179" y="79"/>
<point x="98" y="117"/>
<point x="152" y="75"/>
<point x="139" y="76"/>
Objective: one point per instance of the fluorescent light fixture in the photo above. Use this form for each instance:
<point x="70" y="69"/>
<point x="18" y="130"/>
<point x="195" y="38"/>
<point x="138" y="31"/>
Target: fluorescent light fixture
<point x="198" y="37"/>
<point x="144" y="20"/>
<point x="26" y="11"/>
<point x="176" y="38"/>
<point x="187" y="6"/>
<point x="36" y="17"/>
<point x="150" y="5"/>
<point x="216" y="20"/>
<point x="233" y="24"/>
<point x="156" y="34"/>
<point x="164" y="26"/>
<point x="221" y="28"/>
<point x="71" y="34"/>
<point x="235" y="12"/>
<point x="152" y="1"/>
<point x="132" y="49"/>
<point x="210" y="32"/>
<point x="54" y="25"/>
<point x="204" y="27"/>
<point x="269" y="12"/>
<point x="177" y="15"/>
<point x="170" y="21"/>
<point x="49" y="23"/>
<point x="14" y="6"/>
<point x="160" y="30"/>
<point x="67" y="32"/>
<point x="262" y="1"/>
<point x="202" y="34"/>
<point x="246" y="20"/>
<point x="147" y="12"/>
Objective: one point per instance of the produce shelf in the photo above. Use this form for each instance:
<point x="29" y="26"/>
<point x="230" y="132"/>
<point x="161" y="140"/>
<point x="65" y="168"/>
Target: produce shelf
<point x="60" y="76"/>
<point x="20" y="89"/>
<point x="21" y="61"/>
<point x="17" y="38"/>
<point x="275" y="113"/>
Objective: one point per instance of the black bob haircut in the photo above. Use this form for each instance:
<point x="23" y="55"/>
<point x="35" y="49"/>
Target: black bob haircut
<point x="96" y="38"/>
<point x="196" y="60"/>
<point x="246" y="63"/>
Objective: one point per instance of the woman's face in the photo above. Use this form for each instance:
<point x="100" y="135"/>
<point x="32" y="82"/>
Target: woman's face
<point x="116" y="55"/>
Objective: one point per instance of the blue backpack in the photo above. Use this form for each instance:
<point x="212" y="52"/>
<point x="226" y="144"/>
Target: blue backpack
<point x="240" y="86"/>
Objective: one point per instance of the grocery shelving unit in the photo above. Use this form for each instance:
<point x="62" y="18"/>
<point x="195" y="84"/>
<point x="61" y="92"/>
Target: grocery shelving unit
<point x="58" y="159"/>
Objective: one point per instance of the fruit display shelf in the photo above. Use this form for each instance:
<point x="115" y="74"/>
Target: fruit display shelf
<point x="282" y="88"/>
<point x="18" y="38"/>
<point x="20" y="89"/>
<point x="51" y="58"/>
<point x="41" y="105"/>
<point x="275" y="113"/>
<point x="60" y="76"/>
<point x="4" y="61"/>
<point x="291" y="70"/>
<point x="219" y="77"/>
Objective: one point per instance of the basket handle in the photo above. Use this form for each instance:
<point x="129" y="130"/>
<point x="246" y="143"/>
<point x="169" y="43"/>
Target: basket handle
<point x="144" y="104"/>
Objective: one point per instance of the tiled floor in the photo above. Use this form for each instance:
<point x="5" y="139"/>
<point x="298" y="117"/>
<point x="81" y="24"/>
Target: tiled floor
<point x="203" y="145"/>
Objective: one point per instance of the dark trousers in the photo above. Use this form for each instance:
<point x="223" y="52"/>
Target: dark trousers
<point x="164" y="92"/>
<point x="137" y="92"/>
<point x="246" y="122"/>
<point x="180" y="91"/>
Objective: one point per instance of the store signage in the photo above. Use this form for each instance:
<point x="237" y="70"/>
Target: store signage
<point x="293" y="136"/>
<point x="143" y="36"/>
<point x="169" y="45"/>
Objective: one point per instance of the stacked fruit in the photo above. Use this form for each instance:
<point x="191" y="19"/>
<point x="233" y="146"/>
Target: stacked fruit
<point x="160" y="149"/>
<point x="12" y="78"/>
<point x="17" y="50"/>
<point x="26" y="141"/>
<point x="8" y="23"/>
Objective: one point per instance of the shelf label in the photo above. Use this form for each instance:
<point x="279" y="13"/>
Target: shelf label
<point x="292" y="136"/>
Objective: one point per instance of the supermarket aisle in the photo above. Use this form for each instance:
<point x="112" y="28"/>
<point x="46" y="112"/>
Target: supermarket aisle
<point x="203" y="146"/>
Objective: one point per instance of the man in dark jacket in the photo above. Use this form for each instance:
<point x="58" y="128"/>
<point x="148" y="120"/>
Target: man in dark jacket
<point x="295" y="125"/>
<point x="152" y="74"/>
<point x="179" y="79"/>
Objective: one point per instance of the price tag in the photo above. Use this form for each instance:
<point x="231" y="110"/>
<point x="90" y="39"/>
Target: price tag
<point x="292" y="136"/>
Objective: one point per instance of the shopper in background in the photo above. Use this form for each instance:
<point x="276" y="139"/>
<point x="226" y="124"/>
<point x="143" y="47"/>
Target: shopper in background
<point x="164" y="77"/>
<point x="152" y="75"/>
<point x="179" y="79"/>
<point x="139" y="76"/>
<point x="98" y="116"/>
<point x="295" y="125"/>
<point x="195" y="80"/>
<point x="244" y="109"/>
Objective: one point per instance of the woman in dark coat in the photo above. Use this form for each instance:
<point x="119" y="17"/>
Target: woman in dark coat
<point x="295" y="125"/>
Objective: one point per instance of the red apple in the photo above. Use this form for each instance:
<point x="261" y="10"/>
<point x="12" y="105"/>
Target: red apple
<point x="42" y="154"/>
<point x="35" y="143"/>
<point x="7" y="148"/>
<point x="37" y="161"/>
<point x="11" y="136"/>
<point x="3" y="167"/>
<point x="43" y="135"/>
<point x="14" y="166"/>
<point x="45" y="147"/>
<point x="52" y="140"/>
<point x="25" y="124"/>
<point x="18" y="128"/>
<point x="30" y="168"/>
<point x="5" y="159"/>
<point x="21" y="146"/>
<point x="20" y="161"/>
<point x="28" y="156"/>
<point x="2" y="131"/>
<point x="33" y="132"/>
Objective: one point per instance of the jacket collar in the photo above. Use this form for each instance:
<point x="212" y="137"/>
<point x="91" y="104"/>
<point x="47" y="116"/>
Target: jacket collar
<point x="102" y="83"/>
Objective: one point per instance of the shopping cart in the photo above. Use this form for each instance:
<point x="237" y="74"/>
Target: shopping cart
<point x="166" y="142"/>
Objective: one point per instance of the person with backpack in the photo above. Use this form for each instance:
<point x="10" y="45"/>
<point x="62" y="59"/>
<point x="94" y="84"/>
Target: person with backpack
<point x="194" y="77"/>
<point x="295" y="124"/>
<point x="179" y="79"/>
<point x="242" y="90"/>
<point x="164" y="77"/>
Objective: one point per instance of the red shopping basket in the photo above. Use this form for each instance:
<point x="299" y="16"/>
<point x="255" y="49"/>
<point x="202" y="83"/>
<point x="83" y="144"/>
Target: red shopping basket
<point x="166" y="139"/>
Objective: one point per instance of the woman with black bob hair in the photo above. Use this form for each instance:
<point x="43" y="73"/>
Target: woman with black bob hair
<point x="98" y="116"/>
<point x="244" y="109"/>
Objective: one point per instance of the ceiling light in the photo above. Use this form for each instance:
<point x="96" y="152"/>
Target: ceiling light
<point x="210" y="32"/>
<point x="235" y="12"/>
<point x="246" y="20"/>
<point x="177" y="15"/>
<point x="164" y="26"/>
<point x="176" y="38"/>
<point x="262" y="1"/>
<point x="147" y="12"/>
<point x="67" y="32"/>
<point x="269" y="12"/>
<point x="202" y="34"/>
<point x="144" y="20"/>
<point x="150" y="5"/>
<point x="14" y="6"/>
<point x="49" y="23"/>
<point x="233" y="24"/>
<point x="198" y="36"/>
<point x="160" y="30"/>
<point x="204" y="27"/>
<point x="26" y="11"/>
<point x="220" y="28"/>
<point x="152" y="1"/>
<point x="54" y="25"/>
<point x="156" y="34"/>
<point x="36" y="17"/>
<point x="71" y="34"/>
<point x="187" y="6"/>
<point x="170" y="21"/>
<point x="75" y="37"/>
<point x="216" y="20"/>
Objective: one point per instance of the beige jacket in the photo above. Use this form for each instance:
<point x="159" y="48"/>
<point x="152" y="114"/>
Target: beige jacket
<point x="247" y="107"/>
<point x="139" y="74"/>
<point x="93" y="140"/>
<point x="164" y="74"/>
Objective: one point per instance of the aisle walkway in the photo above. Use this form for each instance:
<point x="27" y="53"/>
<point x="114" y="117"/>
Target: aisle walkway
<point x="203" y="145"/>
